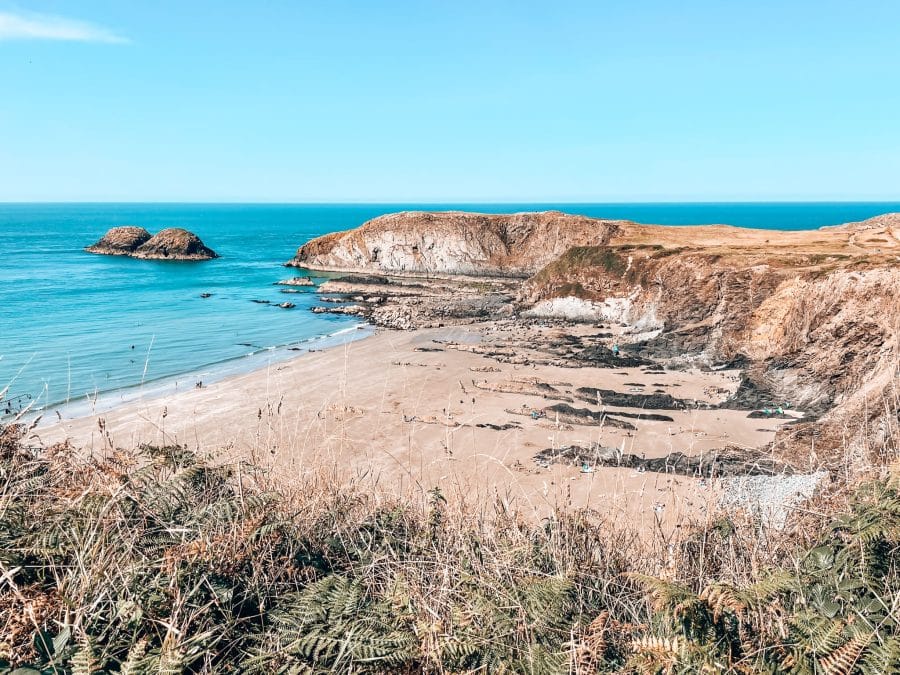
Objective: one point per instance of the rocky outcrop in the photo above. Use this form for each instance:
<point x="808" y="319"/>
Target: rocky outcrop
<point x="296" y="281"/>
<point x="120" y="241"/>
<point x="404" y="303"/>
<point x="813" y="316"/>
<point x="454" y="243"/>
<point x="169" y="244"/>
<point x="174" y="244"/>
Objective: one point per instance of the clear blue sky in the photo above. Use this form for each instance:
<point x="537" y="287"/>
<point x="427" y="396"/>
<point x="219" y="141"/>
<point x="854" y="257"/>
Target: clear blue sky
<point x="492" y="100"/>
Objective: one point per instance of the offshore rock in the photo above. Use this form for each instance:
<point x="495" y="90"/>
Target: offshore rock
<point x="170" y="244"/>
<point x="174" y="244"/>
<point x="120" y="241"/>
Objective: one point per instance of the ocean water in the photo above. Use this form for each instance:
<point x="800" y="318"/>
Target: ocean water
<point x="74" y="325"/>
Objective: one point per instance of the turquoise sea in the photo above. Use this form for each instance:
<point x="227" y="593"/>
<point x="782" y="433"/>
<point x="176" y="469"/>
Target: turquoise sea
<point x="75" y="325"/>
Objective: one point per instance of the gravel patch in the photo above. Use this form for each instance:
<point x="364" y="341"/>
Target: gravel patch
<point x="769" y="497"/>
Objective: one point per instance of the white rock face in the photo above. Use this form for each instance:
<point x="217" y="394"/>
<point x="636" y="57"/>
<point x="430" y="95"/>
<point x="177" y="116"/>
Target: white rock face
<point x="454" y="243"/>
<point x="570" y="308"/>
<point x="640" y="317"/>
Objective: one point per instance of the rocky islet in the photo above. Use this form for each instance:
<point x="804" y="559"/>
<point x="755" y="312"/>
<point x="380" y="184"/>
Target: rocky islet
<point x="172" y="243"/>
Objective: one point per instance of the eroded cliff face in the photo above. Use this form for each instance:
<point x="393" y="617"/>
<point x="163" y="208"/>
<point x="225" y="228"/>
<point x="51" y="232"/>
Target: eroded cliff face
<point x="814" y="315"/>
<point x="454" y="243"/>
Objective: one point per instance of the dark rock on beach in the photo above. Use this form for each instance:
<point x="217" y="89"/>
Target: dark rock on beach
<point x="365" y="279"/>
<point x="725" y="462"/>
<point x="569" y="415"/>
<point x="499" y="427"/>
<point x="651" y="417"/>
<point x="620" y="399"/>
<point x="600" y="356"/>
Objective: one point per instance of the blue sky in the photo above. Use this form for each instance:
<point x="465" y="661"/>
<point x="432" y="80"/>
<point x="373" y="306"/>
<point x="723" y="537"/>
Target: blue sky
<point x="494" y="100"/>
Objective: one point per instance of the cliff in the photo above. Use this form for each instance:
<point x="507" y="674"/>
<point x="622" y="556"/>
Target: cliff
<point x="454" y="243"/>
<point x="812" y="316"/>
<point x="815" y="315"/>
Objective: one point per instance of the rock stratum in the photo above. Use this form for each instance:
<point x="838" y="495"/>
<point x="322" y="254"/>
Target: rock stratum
<point x="812" y="317"/>
<point x="170" y="244"/>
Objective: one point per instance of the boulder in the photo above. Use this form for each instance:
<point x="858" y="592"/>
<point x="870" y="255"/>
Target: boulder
<point x="174" y="244"/>
<point x="120" y="241"/>
<point x="296" y="281"/>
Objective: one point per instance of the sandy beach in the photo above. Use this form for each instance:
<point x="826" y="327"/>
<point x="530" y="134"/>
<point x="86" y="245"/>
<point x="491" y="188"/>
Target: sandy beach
<point x="455" y="408"/>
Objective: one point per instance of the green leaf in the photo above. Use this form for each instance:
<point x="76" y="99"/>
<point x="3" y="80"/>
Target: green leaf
<point x="822" y="557"/>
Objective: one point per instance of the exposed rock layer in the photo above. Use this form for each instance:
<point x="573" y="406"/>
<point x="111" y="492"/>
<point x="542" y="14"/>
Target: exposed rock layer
<point x="816" y="322"/>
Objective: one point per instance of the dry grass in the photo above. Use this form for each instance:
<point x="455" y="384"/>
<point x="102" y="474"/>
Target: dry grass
<point x="156" y="560"/>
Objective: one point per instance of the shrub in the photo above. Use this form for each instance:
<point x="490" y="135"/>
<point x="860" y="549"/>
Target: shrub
<point x="159" y="561"/>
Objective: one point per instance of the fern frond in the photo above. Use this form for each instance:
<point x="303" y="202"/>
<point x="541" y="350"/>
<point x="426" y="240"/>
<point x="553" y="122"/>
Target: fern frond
<point x="84" y="660"/>
<point x="657" y="645"/>
<point x="763" y="591"/>
<point x="842" y="661"/>
<point x="883" y="657"/>
<point x="665" y="595"/>
<point x="133" y="664"/>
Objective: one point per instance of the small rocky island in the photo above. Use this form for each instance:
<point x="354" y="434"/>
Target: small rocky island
<point x="120" y="241"/>
<point x="170" y="244"/>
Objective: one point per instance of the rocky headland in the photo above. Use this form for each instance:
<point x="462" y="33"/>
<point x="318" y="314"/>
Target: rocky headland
<point x="810" y="318"/>
<point x="454" y="243"/>
<point x="170" y="244"/>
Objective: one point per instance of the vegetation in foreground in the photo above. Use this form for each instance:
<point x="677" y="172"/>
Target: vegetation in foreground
<point x="158" y="561"/>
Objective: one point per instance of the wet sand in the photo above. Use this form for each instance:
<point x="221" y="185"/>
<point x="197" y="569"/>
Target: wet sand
<point x="399" y="410"/>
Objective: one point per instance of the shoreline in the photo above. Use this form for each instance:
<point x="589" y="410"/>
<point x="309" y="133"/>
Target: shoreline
<point x="406" y="411"/>
<point x="212" y="373"/>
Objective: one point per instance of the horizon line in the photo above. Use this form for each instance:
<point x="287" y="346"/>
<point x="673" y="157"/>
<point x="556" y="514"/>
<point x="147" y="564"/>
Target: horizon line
<point x="453" y="202"/>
